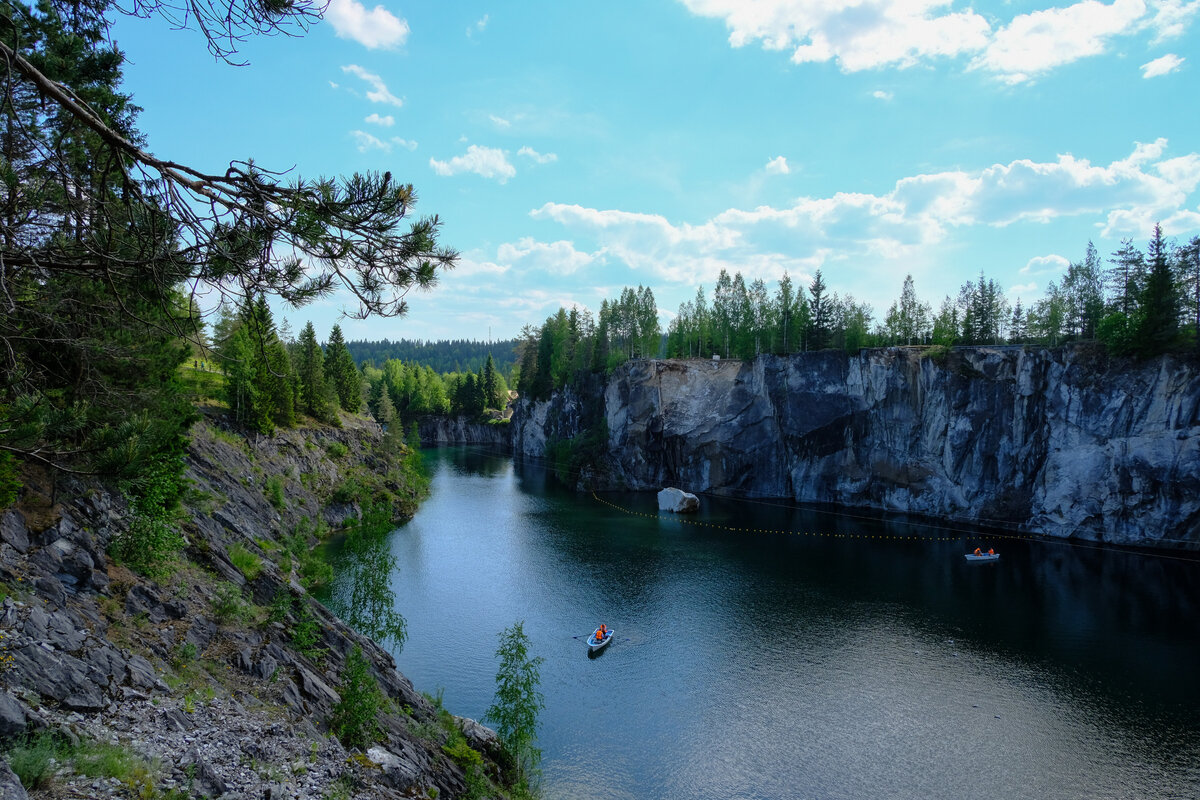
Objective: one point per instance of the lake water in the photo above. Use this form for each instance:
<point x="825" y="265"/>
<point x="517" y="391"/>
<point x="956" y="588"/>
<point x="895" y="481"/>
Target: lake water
<point x="842" y="658"/>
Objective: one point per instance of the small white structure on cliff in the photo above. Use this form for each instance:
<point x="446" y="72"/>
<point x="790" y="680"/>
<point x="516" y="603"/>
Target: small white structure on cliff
<point x="677" y="501"/>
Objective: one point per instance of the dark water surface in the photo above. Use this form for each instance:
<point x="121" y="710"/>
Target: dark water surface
<point x="762" y="665"/>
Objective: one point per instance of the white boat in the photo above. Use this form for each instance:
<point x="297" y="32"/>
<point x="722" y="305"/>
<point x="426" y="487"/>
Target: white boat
<point x="595" y="644"/>
<point x="982" y="557"/>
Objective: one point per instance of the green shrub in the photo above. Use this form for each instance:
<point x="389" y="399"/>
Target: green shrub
<point x="104" y="760"/>
<point x="336" y="450"/>
<point x="151" y="543"/>
<point x="247" y="563"/>
<point x="306" y="633"/>
<point x="228" y="605"/>
<point x="350" y="490"/>
<point x="314" y="571"/>
<point x="355" y="718"/>
<point x="33" y="761"/>
<point x="462" y="753"/>
<point x="938" y="354"/>
<point x="10" y="483"/>
<point x="274" y="492"/>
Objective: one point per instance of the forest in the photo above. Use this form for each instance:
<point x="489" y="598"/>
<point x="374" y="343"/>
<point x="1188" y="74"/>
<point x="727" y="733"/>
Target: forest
<point x="1136" y="303"/>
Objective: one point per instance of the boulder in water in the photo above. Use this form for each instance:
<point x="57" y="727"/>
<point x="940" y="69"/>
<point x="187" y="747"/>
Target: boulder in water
<point x="677" y="501"/>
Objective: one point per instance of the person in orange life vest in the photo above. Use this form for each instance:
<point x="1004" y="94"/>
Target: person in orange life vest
<point x="991" y="551"/>
<point x="978" y="551"/>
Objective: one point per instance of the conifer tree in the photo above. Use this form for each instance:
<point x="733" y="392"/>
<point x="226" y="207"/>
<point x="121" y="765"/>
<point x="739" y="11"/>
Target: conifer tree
<point x="347" y="382"/>
<point x="1158" y="306"/>
<point x="310" y="370"/>
<point x="819" y="324"/>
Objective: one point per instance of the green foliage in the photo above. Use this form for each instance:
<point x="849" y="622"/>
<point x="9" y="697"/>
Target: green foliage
<point x="355" y="718"/>
<point x="274" y="492"/>
<point x="456" y="355"/>
<point x="336" y="450"/>
<point x="569" y="457"/>
<point x="185" y="654"/>
<point x="249" y="564"/>
<point x="517" y="702"/>
<point x="228" y="605"/>
<point x="10" y="484"/>
<point x="34" y="760"/>
<point x="343" y="372"/>
<point x="152" y="542"/>
<point x="306" y="633"/>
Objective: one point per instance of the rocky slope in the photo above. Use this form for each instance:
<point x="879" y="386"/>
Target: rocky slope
<point x="1062" y="442"/>
<point x="191" y="674"/>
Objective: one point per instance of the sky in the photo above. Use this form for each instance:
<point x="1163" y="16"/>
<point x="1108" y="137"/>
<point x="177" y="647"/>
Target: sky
<point x="572" y="149"/>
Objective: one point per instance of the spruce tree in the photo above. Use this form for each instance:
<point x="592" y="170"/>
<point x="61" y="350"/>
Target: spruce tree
<point x="347" y="382"/>
<point x="821" y="311"/>
<point x="310" y="370"/>
<point x="1158" y="307"/>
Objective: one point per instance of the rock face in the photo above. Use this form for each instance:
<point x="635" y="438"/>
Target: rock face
<point x="229" y="704"/>
<point x="677" y="501"/>
<point x="1063" y="442"/>
<point x="439" y="431"/>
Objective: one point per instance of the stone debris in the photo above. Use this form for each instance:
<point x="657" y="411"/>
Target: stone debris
<point x="221" y="709"/>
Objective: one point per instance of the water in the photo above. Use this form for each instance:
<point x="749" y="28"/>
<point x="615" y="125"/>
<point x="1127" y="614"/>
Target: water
<point x="764" y="665"/>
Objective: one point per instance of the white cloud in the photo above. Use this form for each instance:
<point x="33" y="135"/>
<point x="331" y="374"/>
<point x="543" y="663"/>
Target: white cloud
<point x="1125" y="197"/>
<point x="472" y="267"/>
<point x="499" y="122"/>
<point x="1162" y="66"/>
<point x="539" y="158"/>
<point x="379" y="92"/>
<point x="377" y="28"/>
<point x="857" y="36"/>
<point x="478" y="27"/>
<point x="1171" y="18"/>
<point x="1042" y="40"/>
<point x="487" y="162"/>
<point x="873" y="34"/>
<point x="1045" y="265"/>
<point x="879" y="94"/>
<point x="778" y="166"/>
<point x="368" y="142"/>
<point x="386" y="121"/>
<point x="560" y="258"/>
<point x="1022" y="289"/>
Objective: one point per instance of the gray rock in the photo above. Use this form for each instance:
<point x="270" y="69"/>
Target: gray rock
<point x="13" y="531"/>
<point x="1053" y="441"/>
<point x="399" y="773"/>
<point x="61" y="677"/>
<point x="141" y="600"/>
<point x="678" y="501"/>
<point x="10" y="784"/>
<point x="206" y="782"/>
<point x="12" y="716"/>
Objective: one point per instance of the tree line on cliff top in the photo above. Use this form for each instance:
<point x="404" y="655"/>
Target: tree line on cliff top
<point x="1135" y="303"/>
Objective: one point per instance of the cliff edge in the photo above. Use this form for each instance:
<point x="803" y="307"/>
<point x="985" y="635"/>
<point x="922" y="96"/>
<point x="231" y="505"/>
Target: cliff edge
<point x="1063" y="442"/>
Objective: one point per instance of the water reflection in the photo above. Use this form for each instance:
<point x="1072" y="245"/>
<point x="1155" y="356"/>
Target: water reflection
<point x="362" y="594"/>
<point x="764" y="665"/>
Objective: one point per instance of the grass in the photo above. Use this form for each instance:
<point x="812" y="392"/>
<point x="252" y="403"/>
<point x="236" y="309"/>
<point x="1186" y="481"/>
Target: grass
<point x="247" y="563"/>
<point x="336" y="450"/>
<point x="38" y="759"/>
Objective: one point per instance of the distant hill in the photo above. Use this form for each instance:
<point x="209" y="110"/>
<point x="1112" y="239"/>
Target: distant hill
<point x="456" y="355"/>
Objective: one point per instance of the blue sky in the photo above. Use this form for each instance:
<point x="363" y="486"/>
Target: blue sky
<point x="574" y="149"/>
